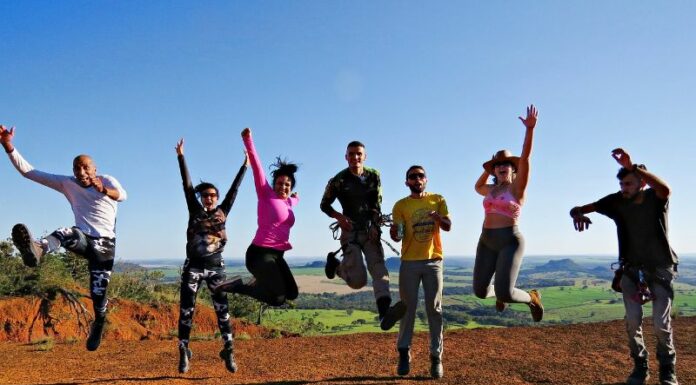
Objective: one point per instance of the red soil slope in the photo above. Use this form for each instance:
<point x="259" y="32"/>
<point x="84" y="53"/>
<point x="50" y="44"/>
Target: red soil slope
<point x="127" y="321"/>
<point x="549" y="355"/>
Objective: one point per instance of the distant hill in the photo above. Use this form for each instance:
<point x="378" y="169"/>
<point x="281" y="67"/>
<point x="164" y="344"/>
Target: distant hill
<point x="565" y="265"/>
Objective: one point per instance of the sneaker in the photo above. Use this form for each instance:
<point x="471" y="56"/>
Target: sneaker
<point x="500" y="306"/>
<point x="332" y="264"/>
<point x="227" y="355"/>
<point x="30" y="250"/>
<point x="404" y="366"/>
<point x="394" y="314"/>
<point x="95" y="333"/>
<point x="535" y="306"/>
<point x="639" y="375"/>
<point x="185" y="355"/>
<point x="668" y="375"/>
<point x="436" y="370"/>
<point x="229" y="285"/>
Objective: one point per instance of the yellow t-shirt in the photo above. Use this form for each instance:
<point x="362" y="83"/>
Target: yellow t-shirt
<point x="421" y="234"/>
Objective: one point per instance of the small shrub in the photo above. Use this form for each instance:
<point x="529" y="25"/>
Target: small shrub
<point x="45" y="344"/>
<point x="242" y="336"/>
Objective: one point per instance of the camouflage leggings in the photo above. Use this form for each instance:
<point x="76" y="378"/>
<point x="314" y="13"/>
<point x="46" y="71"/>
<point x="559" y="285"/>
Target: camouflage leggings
<point x="191" y="279"/>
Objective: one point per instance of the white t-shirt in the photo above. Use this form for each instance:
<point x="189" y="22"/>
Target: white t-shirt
<point x="95" y="213"/>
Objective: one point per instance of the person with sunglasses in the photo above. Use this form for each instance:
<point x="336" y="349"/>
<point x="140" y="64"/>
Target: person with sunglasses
<point x="205" y="241"/>
<point x="94" y="201"/>
<point x="646" y="258"/>
<point x="273" y="282"/>
<point x="501" y="245"/>
<point x="418" y="219"/>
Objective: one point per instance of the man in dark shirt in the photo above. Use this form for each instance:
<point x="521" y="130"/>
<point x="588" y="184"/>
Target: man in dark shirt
<point x="358" y="189"/>
<point x="646" y="258"/>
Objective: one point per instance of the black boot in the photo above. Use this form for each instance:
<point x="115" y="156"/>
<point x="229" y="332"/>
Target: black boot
<point x="30" y="250"/>
<point x="668" y="375"/>
<point x="185" y="355"/>
<point x="388" y="316"/>
<point x="640" y="374"/>
<point x="404" y="366"/>
<point x="95" y="333"/>
<point x="436" y="370"/>
<point x="227" y="354"/>
<point x="332" y="264"/>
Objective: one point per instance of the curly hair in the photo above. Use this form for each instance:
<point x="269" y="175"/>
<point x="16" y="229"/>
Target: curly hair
<point x="283" y="167"/>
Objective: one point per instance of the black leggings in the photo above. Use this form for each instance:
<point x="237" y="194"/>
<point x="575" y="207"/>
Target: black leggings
<point x="274" y="281"/>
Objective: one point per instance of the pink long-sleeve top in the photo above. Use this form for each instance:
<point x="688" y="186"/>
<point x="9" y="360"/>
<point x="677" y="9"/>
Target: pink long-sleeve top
<point x="275" y="216"/>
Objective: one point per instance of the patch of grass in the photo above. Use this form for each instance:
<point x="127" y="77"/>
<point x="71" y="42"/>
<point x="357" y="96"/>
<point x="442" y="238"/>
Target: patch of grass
<point x="242" y="337"/>
<point x="44" y="344"/>
<point x="70" y="340"/>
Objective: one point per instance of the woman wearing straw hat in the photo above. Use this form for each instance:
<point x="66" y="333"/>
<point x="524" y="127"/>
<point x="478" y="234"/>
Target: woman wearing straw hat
<point x="501" y="244"/>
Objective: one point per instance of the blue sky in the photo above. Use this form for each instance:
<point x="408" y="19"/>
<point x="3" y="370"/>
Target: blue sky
<point x="437" y="83"/>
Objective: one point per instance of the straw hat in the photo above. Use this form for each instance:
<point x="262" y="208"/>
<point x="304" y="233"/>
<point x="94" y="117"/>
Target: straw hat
<point x="502" y="156"/>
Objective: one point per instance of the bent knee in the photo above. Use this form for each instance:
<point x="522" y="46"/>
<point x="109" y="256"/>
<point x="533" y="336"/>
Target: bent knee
<point x="480" y="291"/>
<point x="354" y="283"/>
<point x="277" y="300"/>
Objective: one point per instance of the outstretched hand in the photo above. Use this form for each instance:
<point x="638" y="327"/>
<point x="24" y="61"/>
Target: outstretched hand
<point x="581" y="223"/>
<point x="246" y="132"/>
<point x="6" y="137"/>
<point x="531" y="119"/>
<point x="622" y="158"/>
<point x="180" y="147"/>
<point x="246" y="158"/>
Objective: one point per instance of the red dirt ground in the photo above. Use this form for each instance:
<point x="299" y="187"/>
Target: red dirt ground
<point x="556" y="355"/>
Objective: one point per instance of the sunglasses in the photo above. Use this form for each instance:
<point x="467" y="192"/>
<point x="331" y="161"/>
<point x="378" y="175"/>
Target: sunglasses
<point x="416" y="175"/>
<point x="212" y="195"/>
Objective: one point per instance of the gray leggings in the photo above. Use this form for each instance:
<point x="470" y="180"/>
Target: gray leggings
<point x="499" y="251"/>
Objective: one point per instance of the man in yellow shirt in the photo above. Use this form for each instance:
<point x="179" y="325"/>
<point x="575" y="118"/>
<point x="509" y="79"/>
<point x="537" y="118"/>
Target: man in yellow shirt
<point x="418" y="219"/>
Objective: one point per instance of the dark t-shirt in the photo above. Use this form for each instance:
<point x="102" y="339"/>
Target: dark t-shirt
<point x="360" y="197"/>
<point x="641" y="229"/>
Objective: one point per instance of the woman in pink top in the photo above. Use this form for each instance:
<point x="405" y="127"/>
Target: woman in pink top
<point x="501" y="244"/>
<point x="273" y="280"/>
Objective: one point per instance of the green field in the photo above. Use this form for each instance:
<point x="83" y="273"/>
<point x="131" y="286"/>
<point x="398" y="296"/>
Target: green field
<point x="337" y="321"/>
<point x="588" y="300"/>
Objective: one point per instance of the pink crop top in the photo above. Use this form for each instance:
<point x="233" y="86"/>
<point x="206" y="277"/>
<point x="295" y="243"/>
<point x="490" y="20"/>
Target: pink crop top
<point x="504" y="204"/>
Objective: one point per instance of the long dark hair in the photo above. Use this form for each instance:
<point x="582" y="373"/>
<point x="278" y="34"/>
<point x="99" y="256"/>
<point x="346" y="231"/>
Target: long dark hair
<point x="283" y="167"/>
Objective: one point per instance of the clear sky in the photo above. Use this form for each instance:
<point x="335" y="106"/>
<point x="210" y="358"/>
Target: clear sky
<point x="435" y="83"/>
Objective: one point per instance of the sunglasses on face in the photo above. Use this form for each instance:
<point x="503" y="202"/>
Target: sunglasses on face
<point x="211" y="195"/>
<point x="416" y="175"/>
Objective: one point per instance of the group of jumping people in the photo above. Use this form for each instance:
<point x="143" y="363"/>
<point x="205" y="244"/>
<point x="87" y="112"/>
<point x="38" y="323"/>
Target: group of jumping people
<point x="648" y="264"/>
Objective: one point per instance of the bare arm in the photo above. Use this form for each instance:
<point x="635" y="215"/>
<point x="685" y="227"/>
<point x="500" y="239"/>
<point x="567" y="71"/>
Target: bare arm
<point x="481" y="187"/>
<point x="662" y="189"/>
<point x="442" y="220"/>
<point x="580" y="221"/>
<point x="519" y="185"/>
